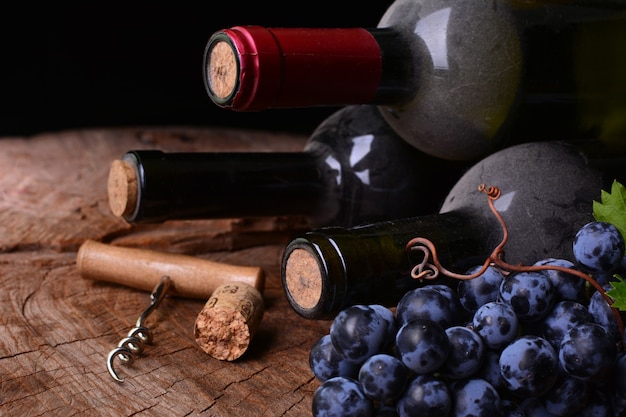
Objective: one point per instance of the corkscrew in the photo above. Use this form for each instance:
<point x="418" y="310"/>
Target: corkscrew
<point x="139" y="336"/>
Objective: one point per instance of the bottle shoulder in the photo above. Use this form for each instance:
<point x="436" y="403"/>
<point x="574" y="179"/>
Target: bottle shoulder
<point x="547" y="190"/>
<point x="376" y="173"/>
<point x="461" y="51"/>
<point x="495" y="71"/>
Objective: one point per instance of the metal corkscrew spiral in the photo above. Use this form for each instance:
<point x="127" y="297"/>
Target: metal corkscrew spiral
<point x="138" y="336"/>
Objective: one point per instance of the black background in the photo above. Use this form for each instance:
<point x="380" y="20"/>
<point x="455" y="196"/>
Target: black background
<point x="140" y="64"/>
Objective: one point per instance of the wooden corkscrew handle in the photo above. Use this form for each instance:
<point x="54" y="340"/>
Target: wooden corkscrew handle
<point x="191" y="277"/>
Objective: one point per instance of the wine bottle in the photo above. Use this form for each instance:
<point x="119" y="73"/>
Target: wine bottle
<point x="354" y="169"/>
<point x="547" y="191"/>
<point x="455" y="79"/>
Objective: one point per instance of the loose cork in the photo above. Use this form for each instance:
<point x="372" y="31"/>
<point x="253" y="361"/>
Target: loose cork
<point x="122" y="188"/>
<point x="222" y="70"/>
<point x="303" y="278"/>
<point x="228" y="321"/>
<point x="142" y="269"/>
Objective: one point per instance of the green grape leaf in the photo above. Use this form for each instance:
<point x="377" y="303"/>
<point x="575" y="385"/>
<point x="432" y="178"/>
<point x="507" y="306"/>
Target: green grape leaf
<point x="618" y="293"/>
<point x="612" y="207"/>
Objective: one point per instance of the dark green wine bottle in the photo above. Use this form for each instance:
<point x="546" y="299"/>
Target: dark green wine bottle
<point x="354" y="169"/>
<point x="547" y="191"/>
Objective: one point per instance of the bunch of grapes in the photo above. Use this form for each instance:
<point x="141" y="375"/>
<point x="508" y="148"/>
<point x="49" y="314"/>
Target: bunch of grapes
<point x="534" y="342"/>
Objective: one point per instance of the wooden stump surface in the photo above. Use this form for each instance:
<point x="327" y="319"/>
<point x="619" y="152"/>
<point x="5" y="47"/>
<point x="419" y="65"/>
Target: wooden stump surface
<point x="58" y="328"/>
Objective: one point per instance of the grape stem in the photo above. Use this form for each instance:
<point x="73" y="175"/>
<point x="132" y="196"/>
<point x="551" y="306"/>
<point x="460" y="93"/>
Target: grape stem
<point x="426" y="270"/>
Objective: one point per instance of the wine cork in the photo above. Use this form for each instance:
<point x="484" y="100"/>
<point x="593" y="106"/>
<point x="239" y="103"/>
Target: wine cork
<point x="303" y="279"/>
<point x="222" y="70"/>
<point x="192" y="277"/>
<point x="122" y="188"/>
<point x="228" y="321"/>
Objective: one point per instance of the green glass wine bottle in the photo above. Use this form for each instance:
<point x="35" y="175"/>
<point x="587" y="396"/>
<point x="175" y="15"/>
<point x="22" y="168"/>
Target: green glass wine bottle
<point x="354" y="169"/>
<point x="547" y="192"/>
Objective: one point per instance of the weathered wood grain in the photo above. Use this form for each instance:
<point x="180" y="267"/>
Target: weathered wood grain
<point x="57" y="328"/>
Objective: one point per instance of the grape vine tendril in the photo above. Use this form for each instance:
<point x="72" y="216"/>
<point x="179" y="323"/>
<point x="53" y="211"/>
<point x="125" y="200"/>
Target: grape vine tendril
<point x="431" y="270"/>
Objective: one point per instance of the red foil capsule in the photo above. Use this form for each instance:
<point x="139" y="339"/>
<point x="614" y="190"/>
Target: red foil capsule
<point x="253" y="68"/>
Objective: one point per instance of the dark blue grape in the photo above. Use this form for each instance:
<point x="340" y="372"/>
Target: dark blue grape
<point x="424" y="303"/>
<point x="619" y="406"/>
<point x="567" y="286"/>
<point x="340" y="397"/>
<point x="459" y="313"/>
<point x="587" y="352"/>
<point x="531" y="294"/>
<point x="474" y="398"/>
<point x="604" y="279"/>
<point x="326" y="363"/>
<point x="509" y="408"/>
<point x="533" y="407"/>
<point x="390" y="319"/>
<point x="383" y="377"/>
<point x="466" y="353"/>
<point x="358" y="332"/>
<point x="567" y="397"/>
<point x="528" y="366"/>
<point x="386" y="410"/>
<point x="622" y="265"/>
<point x="483" y="289"/>
<point x="598" y="247"/>
<point x="422" y="345"/>
<point x="490" y="371"/>
<point x="602" y="314"/>
<point x="425" y="396"/>
<point x="496" y="323"/>
<point x="620" y="375"/>
<point x="564" y="315"/>
<point x="598" y="405"/>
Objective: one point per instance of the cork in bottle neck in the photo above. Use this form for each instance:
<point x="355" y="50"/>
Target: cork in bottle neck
<point x="241" y="68"/>
<point x="303" y="279"/>
<point x="222" y="70"/>
<point x="122" y="188"/>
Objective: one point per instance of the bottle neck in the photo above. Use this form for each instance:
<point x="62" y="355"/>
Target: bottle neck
<point x="199" y="185"/>
<point x="329" y="269"/>
<point x="254" y="68"/>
